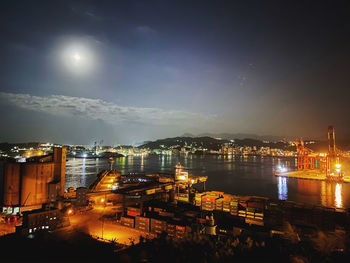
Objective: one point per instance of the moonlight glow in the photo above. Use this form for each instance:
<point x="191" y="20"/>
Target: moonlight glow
<point x="77" y="57"/>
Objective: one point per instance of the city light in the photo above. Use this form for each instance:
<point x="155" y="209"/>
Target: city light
<point x="282" y="169"/>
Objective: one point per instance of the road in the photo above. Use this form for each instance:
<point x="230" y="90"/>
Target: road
<point x="90" y="223"/>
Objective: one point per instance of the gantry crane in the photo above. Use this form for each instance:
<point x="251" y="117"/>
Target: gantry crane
<point x="328" y="163"/>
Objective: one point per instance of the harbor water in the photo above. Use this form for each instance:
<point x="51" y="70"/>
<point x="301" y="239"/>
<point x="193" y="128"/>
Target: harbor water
<point x="252" y="175"/>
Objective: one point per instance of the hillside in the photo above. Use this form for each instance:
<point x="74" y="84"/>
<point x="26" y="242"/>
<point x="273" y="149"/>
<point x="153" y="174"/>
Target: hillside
<point x="179" y="142"/>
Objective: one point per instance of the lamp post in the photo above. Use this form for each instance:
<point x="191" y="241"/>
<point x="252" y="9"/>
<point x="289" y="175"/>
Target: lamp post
<point x="103" y="220"/>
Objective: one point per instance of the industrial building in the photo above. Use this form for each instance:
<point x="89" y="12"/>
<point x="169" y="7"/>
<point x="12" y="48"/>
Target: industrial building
<point x="28" y="185"/>
<point x="42" y="220"/>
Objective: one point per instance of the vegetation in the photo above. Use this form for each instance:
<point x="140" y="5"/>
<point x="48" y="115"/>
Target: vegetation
<point x="246" y="246"/>
<point x="241" y="248"/>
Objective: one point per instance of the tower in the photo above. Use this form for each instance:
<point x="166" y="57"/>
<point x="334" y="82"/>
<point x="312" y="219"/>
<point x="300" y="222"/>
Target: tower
<point x="59" y="159"/>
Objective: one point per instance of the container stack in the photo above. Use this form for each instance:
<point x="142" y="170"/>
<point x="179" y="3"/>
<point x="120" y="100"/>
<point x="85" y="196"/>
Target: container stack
<point x="242" y="208"/>
<point x="142" y="223"/>
<point x="127" y="221"/>
<point x="257" y="208"/>
<point x="198" y="199"/>
<point x="219" y="204"/>
<point x="180" y="231"/>
<point x="171" y="230"/>
<point x="158" y="226"/>
<point x="234" y="206"/>
<point x="209" y="200"/>
<point x="133" y="211"/>
<point x="226" y="206"/>
<point x="183" y="197"/>
<point x="208" y="203"/>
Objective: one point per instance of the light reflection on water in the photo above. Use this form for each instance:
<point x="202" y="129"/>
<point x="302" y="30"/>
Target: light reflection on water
<point x="282" y="188"/>
<point x="231" y="174"/>
<point x="338" y="196"/>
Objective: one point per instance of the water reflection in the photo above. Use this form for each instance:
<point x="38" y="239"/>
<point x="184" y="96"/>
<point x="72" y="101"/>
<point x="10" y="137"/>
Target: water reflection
<point x="141" y="167"/>
<point x="338" y="196"/>
<point x="282" y="188"/>
<point x="332" y="194"/>
<point x="83" y="175"/>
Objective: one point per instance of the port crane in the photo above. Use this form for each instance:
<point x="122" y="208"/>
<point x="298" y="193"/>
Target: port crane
<point x="328" y="163"/>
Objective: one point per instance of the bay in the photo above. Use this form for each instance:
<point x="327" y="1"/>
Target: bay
<point x="252" y="175"/>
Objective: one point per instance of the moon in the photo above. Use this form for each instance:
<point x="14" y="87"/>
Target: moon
<point x="76" y="57"/>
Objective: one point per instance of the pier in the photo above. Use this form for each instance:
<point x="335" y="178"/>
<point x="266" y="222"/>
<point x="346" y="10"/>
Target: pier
<point x="311" y="175"/>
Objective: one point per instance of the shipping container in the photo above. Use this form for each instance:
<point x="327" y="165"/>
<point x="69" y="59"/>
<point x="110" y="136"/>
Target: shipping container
<point x="191" y="213"/>
<point x="208" y="205"/>
<point x="226" y="206"/>
<point x="183" y="197"/>
<point x="142" y="223"/>
<point x="208" y="198"/>
<point x="219" y="204"/>
<point x="166" y="214"/>
<point x="180" y="228"/>
<point x="132" y="213"/>
<point x="158" y="226"/>
<point x="134" y="209"/>
<point x="127" y="221"/>
<point x="250" y="212"/>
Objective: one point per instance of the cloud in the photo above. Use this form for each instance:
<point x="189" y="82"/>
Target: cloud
<point x="96" y="109"/>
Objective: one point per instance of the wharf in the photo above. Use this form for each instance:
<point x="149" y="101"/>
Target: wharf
<point x="309" y="175"/>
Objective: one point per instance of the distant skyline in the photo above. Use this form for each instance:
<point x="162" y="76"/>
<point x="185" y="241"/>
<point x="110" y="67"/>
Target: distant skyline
<point x="75" y="72"/>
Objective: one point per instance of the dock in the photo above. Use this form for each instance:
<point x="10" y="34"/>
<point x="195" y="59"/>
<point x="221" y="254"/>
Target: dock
<point x="309" y="175"/>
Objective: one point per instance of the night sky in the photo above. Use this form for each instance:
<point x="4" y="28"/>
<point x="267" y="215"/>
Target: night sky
<point x="129" y="71"/>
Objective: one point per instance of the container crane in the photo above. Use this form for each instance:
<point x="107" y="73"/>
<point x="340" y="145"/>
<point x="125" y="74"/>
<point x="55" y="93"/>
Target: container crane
<point x="328" y="163"/>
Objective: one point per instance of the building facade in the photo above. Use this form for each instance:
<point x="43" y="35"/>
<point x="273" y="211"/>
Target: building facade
<point x="28" y="185"/>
